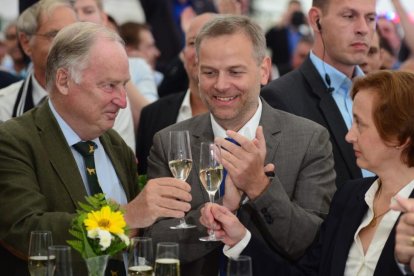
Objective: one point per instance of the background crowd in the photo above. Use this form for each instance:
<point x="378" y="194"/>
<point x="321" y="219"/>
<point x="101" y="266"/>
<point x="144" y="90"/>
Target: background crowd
<point x="319" y="105"/>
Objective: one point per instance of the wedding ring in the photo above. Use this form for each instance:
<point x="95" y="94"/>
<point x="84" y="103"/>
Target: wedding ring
<point x="412" y="240"/>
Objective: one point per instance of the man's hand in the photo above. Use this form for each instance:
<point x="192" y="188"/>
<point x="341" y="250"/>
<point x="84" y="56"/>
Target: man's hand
<point x="404" y="237"/>
<point x="232" y="196"/>
<point x="224" y="223"/>
<point x="161" y="197"/>
<point x="245" y="163"/>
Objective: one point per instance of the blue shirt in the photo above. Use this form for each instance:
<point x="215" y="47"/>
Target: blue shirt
<point x="107" y="177"/>
<point x="341" y="94"/>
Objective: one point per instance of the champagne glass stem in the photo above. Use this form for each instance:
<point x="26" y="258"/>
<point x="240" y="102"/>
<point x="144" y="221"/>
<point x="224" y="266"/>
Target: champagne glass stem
<point x="211" y="233"/>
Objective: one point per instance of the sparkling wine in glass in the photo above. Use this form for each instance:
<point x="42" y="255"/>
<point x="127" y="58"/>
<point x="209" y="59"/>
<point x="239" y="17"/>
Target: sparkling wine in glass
<point x="140" y="262"/>
<point x="211" y="175"/>
<point x="38" y="252"/>
<point x="167" y="262"/>
<point x="180" y="162"/>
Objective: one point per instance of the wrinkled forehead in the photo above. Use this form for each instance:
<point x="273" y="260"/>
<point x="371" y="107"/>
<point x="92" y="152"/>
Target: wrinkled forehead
<point x="56" y="17"/>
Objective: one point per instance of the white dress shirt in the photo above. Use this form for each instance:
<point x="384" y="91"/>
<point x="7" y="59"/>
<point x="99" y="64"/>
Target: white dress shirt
<point x="248" y="131"/>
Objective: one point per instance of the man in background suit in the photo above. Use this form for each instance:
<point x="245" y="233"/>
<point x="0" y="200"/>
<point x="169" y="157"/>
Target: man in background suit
<point x="284" y="211"/>
<point x="176" y="107"/>
<point x="319" y="89"/>
<point x="43" y="176"/>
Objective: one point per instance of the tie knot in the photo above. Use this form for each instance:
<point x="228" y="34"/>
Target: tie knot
<point x="85" y="148"/>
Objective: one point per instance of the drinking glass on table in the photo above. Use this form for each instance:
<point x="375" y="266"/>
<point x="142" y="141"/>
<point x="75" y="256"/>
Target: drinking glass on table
<point x="60" y="260"/>
<point x="211" y="175"/>
<point x="241" y="266"/>
<point x="167" y="262"/>
<point x="180" y="162"/>
<point x="140" y="261"/>
<point x="38" y="252"/>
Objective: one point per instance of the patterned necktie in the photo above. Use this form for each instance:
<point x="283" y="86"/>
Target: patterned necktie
<point x="87" y="149"/>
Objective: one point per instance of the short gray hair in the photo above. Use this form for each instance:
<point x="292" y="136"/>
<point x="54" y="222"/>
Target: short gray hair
<point x="233" y="24"/>
<point x="28" y="21"/>
<point x="71" y="47"/>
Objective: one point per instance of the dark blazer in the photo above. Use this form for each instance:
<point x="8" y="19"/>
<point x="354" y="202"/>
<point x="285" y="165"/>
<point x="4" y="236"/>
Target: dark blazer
<point x="40" y="183"/>
<point x="155" y="117"/>
<point x="304" y="93"/>
<point x="287" y="215"/>
<point x="6" y="79"/>
<point x="329" y="252"/>
<point x="277" y="40"/>
<point x="175" y="78"/>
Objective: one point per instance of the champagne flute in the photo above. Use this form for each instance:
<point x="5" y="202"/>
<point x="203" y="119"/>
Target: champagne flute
<point x="38" y="252"/>
<point x="241" y="266"/>
<point x="60" y="260"/>
<point x="140" y="260"/>
<point x="211" y="175"/>
<point x="167" y="262"/>
<point x="180" y="162"/>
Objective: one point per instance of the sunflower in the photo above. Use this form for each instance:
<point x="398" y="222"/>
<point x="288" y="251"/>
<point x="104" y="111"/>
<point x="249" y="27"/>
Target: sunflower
<point x="107" y="220"/>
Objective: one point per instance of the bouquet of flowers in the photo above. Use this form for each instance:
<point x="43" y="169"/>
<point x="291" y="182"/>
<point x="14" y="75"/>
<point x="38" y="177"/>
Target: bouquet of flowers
<point x="99" y="228"/>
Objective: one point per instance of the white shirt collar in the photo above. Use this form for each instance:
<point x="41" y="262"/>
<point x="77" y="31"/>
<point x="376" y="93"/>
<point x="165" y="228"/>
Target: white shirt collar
<point x="248" y="130"/>
<point x="38" y="92"/>
<point x="185" y="112"/>
<point x="70" y="135"/>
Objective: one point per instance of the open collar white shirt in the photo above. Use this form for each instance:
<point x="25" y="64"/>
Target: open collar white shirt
<point x="248" y="130"/>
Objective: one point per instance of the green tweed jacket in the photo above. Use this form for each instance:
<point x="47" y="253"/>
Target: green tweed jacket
<point x="40" y="184"/>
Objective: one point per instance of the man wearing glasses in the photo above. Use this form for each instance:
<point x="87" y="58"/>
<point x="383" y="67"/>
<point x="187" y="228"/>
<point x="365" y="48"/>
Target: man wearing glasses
<point x="36" y="28"/>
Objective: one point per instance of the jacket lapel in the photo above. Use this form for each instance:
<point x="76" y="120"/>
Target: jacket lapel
<point x="60" y="155"/>
<point x="350" y="221"/>
<point x="271" y="131"/>
<point x="331" y="114"/>
<point x="202" y="132"/>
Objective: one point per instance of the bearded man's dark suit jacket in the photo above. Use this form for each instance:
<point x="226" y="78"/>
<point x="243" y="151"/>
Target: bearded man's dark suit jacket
<point x="303" y="92"/>
<point x="329" y="253"/>
<point x="286" y="215"/>
<point x="155" y="117"/>
<point x="40" y="183"/>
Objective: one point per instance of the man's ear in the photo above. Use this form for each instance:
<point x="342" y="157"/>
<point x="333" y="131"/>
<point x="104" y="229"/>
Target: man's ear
<point x="314" y="19"/>
<point x="265" y="68"/>
<point x="24" y="40"/>
<point x="62" y="81"/>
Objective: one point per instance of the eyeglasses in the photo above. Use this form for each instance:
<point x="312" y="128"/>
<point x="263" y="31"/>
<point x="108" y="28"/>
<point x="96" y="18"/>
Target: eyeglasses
<point x="49" y="35"/>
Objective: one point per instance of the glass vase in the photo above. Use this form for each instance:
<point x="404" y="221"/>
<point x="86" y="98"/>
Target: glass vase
<point x="97" y="265"/>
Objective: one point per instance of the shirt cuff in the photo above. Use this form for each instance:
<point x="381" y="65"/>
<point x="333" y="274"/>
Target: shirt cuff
<point x="235" y="251"/>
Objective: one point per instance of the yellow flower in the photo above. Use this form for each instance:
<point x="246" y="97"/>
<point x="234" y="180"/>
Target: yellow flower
<point x="107" y="220"/>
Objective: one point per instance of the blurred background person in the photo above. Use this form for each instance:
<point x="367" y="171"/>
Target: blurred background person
<point x="373" y="60"/>
<point x="19" y="62"/>
<point x="36" y="28"/>
<point x="301" y="51"/>
<point x="139" y="42"/>
<point x="283" y="39"/>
